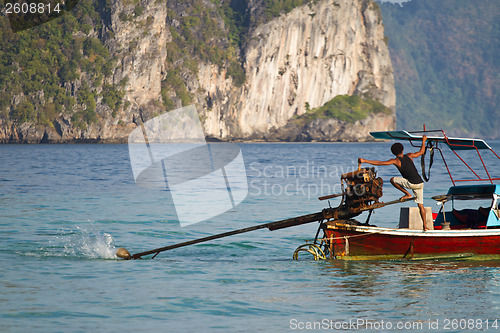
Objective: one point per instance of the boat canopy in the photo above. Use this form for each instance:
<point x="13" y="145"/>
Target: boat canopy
<point x="482" y="189"/>
<point x="469" y="192"/>
<point x="452" y="143"/>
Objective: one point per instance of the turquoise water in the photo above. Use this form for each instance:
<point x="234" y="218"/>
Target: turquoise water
<point x="64" y="209"/>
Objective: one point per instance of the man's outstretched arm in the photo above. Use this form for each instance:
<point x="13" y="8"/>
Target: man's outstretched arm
<point x="388" y="162"/>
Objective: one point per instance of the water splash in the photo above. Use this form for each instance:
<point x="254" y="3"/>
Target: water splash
<point x="80" y="242"/>
<point x="89" y="242"/>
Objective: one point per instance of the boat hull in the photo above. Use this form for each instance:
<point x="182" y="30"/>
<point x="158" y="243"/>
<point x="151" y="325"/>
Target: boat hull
<point x="350" y="242"/>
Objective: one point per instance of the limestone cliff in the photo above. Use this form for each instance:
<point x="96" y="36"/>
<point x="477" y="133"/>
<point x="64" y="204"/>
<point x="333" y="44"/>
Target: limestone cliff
<point x="292" y="63"/>
<point x="311" y="55"/>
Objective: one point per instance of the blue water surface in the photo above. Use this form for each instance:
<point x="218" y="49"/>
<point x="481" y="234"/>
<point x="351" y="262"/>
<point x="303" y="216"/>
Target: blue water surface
<point x="64" y="209"/>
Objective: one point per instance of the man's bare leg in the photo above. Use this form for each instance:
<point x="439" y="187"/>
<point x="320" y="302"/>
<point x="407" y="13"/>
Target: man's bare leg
<point x="423" y="215"/>
<point x="402" y="189"/>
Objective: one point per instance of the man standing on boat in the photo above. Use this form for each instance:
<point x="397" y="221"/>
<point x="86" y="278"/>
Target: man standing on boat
<point x="410" y="178"/>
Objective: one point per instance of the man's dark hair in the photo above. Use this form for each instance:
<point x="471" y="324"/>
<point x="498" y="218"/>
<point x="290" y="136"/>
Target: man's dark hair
<point x="397" y="148"/>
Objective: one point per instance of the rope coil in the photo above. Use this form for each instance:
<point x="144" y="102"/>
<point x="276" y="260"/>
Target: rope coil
<point x="316" y="250"/>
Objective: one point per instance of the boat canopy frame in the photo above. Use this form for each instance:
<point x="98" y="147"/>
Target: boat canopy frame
<point x="455" y="144"/>
<point x="473" y="192"/>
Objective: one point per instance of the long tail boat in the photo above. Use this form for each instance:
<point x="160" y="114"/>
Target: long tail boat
<point x="468" y="233"/>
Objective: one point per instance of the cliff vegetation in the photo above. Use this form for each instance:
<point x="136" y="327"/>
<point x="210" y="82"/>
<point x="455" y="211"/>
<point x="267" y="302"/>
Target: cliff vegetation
<point x="344" y="108"/>
<point x="56" y="68"/>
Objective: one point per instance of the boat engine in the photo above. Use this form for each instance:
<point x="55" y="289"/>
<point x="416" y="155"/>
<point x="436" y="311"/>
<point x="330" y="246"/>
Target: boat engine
<point x="363" y="188"/>
<point x="361" y="191"/>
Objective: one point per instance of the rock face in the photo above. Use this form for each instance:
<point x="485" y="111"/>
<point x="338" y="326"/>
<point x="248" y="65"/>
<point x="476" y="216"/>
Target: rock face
<point x="141" y="51"/>
<point x="306" y="57"/>
<point x="311" y="55"/>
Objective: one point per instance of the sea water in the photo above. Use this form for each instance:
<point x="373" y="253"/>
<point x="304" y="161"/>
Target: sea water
<point x="65" y="209"/>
